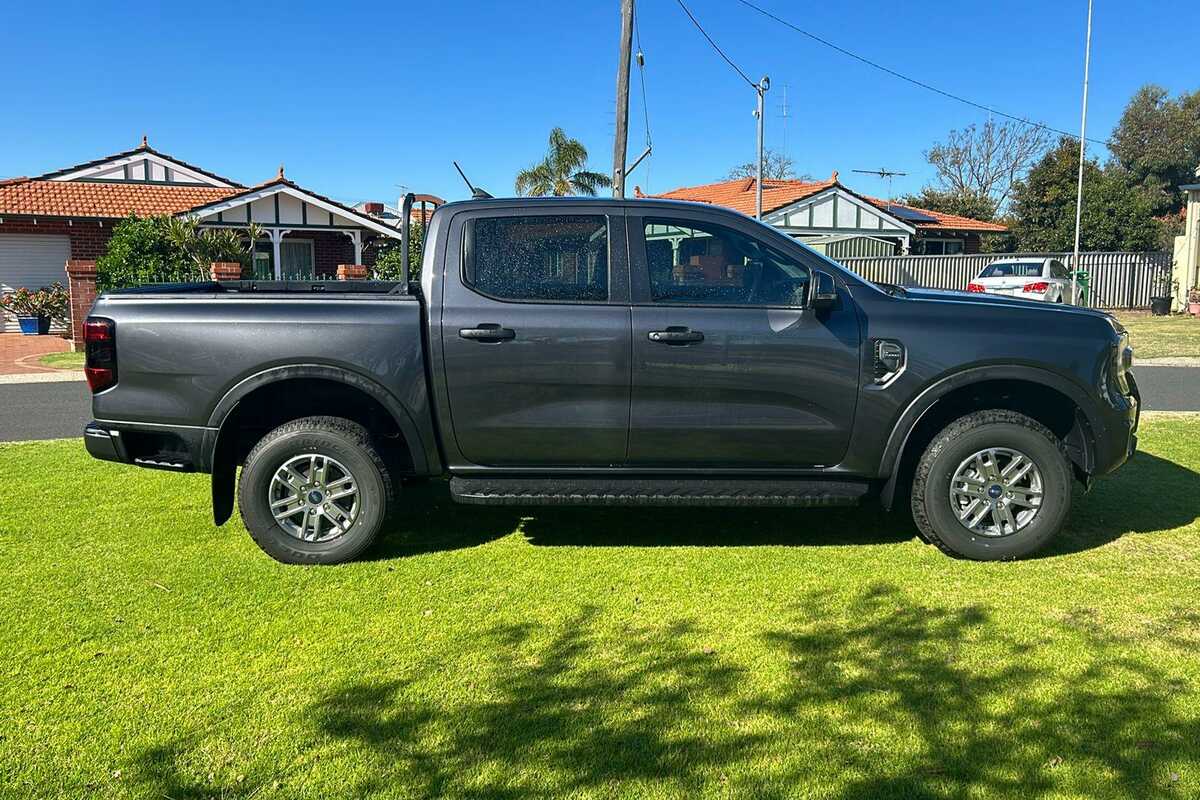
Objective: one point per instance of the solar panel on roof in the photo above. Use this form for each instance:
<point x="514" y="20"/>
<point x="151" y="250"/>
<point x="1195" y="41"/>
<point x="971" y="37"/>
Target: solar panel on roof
<point x="910" y="214"/>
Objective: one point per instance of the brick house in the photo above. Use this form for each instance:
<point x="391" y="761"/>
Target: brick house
<point x="819" y="209"/>
<point x="70" y="214"/>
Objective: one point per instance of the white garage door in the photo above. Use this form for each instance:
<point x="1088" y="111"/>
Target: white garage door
<point x="33" y="262"/>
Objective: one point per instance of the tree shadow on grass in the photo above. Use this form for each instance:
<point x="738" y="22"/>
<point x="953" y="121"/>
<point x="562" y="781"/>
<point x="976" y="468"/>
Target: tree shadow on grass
<point x="1147" y="495"/>
<point x="1002" y="728"/>
<point x="880" y="698"/>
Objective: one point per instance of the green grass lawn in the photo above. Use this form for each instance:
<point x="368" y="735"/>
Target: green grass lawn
<point x="62" y="360"/>
<point x="493" y="653"/>
<point x="1161" y="337"/>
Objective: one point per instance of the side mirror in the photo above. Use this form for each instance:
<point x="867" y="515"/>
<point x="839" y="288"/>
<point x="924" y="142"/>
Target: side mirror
<point x="823" y="291"/>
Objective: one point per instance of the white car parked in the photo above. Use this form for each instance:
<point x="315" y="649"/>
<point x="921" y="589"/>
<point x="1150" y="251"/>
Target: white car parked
<point x="1046" y="279"/>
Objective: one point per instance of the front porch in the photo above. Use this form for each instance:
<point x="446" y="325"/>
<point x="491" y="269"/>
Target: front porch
<point x="304" y="236"/>
<point x="290" y="254"/>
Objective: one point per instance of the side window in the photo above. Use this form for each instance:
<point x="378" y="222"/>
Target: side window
<point x="1058" y="269"/>
<point x="548" y="258"/>
<point x="695" y="263"/>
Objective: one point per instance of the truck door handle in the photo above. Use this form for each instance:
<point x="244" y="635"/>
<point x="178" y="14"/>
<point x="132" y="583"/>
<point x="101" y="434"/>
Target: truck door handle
<point x="676" y="335"/>
<point x="487" y="332"/>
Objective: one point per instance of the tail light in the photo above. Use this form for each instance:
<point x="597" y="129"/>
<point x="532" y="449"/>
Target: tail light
<point x="1039" y="286"/>
<point x="974" y="287"/>
<point x="100" y="353"/>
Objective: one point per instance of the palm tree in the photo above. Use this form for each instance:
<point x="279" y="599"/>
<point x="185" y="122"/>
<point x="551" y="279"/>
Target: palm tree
<point x="562" y="171"/>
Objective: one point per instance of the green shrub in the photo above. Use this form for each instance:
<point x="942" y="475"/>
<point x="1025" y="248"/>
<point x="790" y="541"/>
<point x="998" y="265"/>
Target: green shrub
<point x="168" y="250"/>
<point x="390" y="259"/>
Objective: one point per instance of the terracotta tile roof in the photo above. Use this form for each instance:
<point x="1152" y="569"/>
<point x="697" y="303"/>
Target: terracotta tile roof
<point x="945" y="222"/>
<point x="738" y="194"/>
<point x="106" y="200"/>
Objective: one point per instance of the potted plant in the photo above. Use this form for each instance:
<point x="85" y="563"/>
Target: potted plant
<point x="1193" y="299"/>
<point x="35" y="310"/>
<point x="1160" y="301"/>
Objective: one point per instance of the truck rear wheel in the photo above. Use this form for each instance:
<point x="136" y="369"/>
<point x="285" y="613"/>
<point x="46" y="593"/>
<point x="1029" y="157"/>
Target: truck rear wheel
<point x="994" y="485"/>
<point x="314" y="491"/>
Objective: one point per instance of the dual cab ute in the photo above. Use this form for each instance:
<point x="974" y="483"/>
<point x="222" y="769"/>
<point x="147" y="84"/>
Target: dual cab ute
<point x="641" y="352"/>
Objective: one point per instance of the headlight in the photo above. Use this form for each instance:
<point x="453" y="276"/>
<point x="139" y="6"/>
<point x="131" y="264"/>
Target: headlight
<point x="1122" y="362"/>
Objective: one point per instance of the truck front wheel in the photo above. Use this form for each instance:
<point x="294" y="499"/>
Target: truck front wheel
<point x="314" y="491"/>
<point x="994" y="485"/>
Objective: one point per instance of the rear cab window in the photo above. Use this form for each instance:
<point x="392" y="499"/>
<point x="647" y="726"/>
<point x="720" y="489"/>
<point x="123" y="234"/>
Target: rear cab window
<point x="538" y="258"/>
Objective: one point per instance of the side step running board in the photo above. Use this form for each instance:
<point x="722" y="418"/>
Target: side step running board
<point x="655" y="492"/>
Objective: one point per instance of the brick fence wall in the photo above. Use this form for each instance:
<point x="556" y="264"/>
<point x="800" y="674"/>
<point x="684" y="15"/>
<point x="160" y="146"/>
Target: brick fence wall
<point x="81" y="282"/>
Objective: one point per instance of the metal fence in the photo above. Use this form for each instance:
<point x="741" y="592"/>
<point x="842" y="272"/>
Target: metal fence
<point x="1118" y="280"/>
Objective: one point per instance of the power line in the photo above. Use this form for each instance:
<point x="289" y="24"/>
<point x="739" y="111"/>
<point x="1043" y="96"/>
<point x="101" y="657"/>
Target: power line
<point x="901" y="76"/>
<point x="720" y="52"/>
<point x="641" y="62"/>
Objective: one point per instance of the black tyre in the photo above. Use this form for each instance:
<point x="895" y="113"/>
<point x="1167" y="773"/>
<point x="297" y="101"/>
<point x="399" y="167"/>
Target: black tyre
<point x="314" y="491"/>
<point x="994" y="485"/>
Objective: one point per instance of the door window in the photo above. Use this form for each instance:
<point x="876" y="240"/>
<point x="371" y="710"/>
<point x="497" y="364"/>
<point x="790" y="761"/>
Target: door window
<point x="1058" y="269"/>
<point x="561" y="258"/>
<point x="693" y="263"/>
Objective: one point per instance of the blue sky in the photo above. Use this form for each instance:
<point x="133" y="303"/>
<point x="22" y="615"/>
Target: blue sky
<point x="357" y="99"/>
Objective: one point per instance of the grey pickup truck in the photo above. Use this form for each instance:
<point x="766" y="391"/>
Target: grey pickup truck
<point x="612" y="352"/>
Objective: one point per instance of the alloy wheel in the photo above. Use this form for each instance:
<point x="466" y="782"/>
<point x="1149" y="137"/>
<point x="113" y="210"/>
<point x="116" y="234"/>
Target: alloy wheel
<point x="314" y="498"/>
<point x="996" y="492"/>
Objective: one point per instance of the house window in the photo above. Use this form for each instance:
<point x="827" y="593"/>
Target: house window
<point x="295" y="256"/>
<point x="941" y="247"/>
<point x="296" y="260"/>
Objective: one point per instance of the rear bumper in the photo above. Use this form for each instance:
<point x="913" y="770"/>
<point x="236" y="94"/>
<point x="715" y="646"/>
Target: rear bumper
<point x="174" y="448"/>
<point x="104" y="444"/>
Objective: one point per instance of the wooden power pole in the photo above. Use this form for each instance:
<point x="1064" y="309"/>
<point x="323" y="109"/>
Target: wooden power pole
<point x="621" y="140"/>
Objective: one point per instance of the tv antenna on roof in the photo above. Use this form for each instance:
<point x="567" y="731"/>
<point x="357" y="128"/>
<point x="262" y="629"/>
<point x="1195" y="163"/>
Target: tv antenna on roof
<point x="784" y="113"/>
<point x="886" y="174"/>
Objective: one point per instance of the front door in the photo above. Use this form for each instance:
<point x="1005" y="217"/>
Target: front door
<point x="535" y="339"/>
<point x="729" y="368"/>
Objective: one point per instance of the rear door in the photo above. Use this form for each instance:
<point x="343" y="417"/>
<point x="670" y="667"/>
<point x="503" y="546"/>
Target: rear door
<point x="535" y="333"/>
<point x="730" y="370"/>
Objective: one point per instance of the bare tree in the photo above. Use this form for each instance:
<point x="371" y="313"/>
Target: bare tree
<point x="986" y="161"/>
<point x="776" y="167"/>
